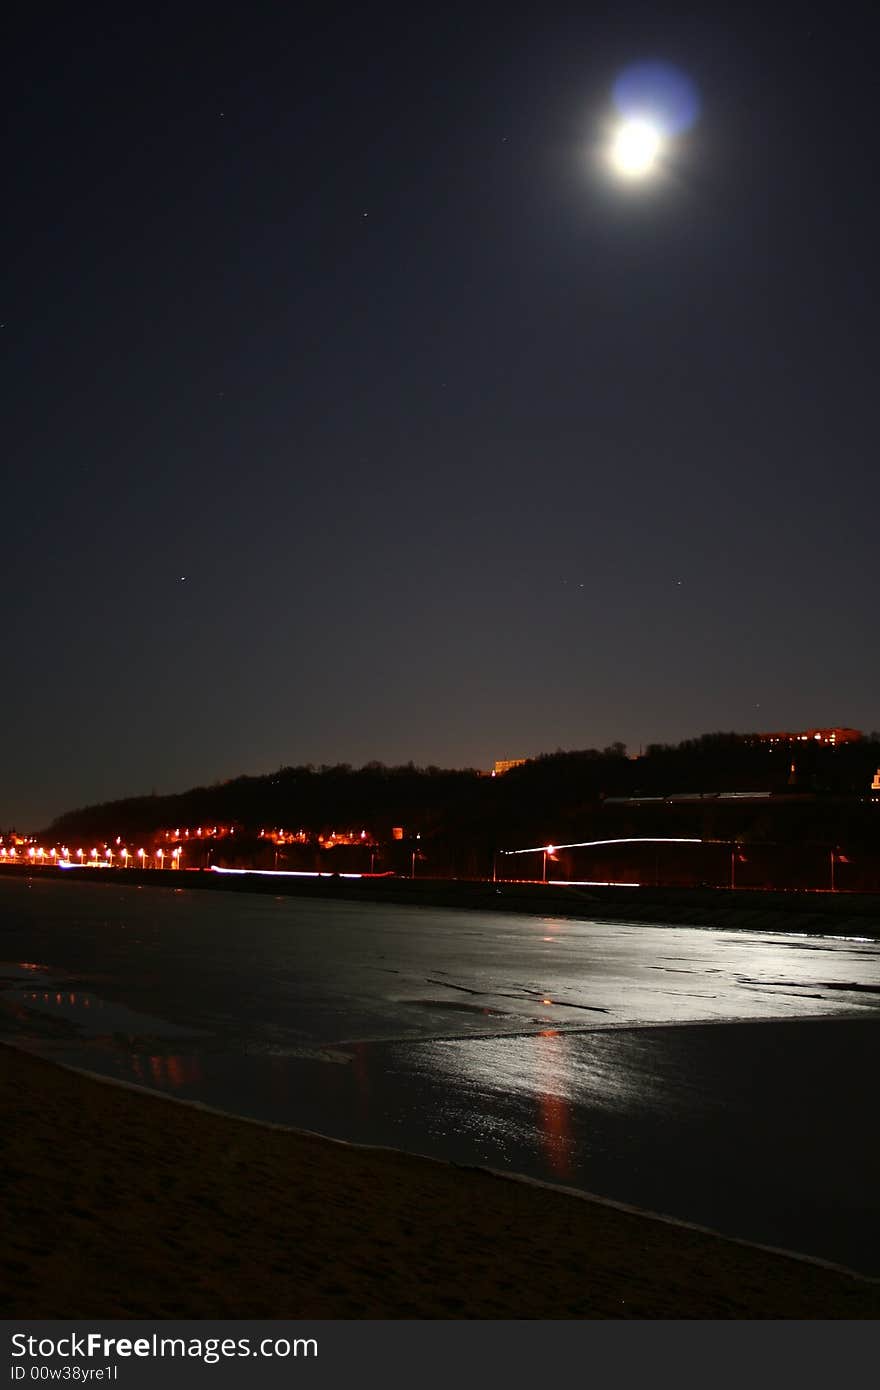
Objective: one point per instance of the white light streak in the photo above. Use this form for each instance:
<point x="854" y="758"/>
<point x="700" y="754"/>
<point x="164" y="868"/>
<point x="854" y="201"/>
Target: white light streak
<point x="627" y="840"/>
<point x="591" y="883"/>
<point x="283" y="873"/>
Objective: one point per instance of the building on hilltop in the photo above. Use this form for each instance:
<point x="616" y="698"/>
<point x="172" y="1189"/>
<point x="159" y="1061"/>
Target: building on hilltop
<point x="505" y="764"/>
<point x="831" y="737"/>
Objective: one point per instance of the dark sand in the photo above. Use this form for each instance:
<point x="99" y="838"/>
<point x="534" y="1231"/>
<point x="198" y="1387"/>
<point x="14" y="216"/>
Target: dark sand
<point x="122" y="1204"/>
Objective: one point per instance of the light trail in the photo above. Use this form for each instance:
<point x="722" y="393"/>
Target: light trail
<point x="627" y="840"/>
<point x="284" y="873"/>
<point x="587" y="883"/>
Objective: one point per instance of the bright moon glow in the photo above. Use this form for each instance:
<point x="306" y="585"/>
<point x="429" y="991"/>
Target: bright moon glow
<point x="635" y="148"/>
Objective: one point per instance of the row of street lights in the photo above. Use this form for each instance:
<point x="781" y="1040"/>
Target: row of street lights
<point x="92" y="859"/>
<point x="124" y="854"/>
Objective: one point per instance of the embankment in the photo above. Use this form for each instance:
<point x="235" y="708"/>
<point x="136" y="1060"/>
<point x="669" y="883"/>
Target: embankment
<point x="838" y="914"/>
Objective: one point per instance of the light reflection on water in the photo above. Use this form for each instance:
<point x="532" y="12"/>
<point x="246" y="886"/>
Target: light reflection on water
<point x="554" y="1107"/>
<point x="575" y="1068"/>
<point x="170" y="1072"/>
<point x="91" y="1015"/>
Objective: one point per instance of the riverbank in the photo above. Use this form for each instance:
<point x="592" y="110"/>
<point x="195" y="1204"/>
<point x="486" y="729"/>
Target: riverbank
<point x="839" y="914"/>
<point x="122" y="1204"/>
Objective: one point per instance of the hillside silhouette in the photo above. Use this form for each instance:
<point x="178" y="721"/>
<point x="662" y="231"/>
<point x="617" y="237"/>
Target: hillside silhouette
<point x="464" y="815"/>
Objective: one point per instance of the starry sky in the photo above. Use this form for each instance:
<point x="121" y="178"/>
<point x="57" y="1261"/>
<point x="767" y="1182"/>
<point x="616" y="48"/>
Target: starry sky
<point x="354" y="409"/>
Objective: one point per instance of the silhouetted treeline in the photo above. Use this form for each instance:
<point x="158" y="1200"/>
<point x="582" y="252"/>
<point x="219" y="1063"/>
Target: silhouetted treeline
<point x="568" y="795"/>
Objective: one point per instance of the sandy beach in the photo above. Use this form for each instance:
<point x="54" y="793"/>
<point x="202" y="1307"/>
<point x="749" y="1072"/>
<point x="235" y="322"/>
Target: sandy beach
<point x="119" y="1203"/>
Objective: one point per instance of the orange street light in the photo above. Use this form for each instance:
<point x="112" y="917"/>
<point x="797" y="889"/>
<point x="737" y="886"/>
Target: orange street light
<point x="549" y="852"/>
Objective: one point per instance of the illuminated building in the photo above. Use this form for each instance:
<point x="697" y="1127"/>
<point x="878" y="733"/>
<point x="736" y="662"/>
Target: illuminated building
<point x="505" y="764"/>
<point x="831" y="737"/>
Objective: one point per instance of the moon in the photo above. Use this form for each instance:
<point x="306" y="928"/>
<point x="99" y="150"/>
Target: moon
<point x="635" y="148"/>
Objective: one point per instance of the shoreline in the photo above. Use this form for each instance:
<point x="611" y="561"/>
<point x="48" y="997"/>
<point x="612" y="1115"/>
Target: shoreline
<point x="738" y="909"/>
<point x="106" y="1191"/>
<point x="576" y="1193"/>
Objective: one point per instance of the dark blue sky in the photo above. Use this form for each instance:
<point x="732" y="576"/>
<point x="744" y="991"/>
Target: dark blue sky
<point x="465" y="450"/>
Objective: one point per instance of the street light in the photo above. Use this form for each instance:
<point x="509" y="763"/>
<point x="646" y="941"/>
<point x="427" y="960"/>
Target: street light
<point x="837" y="857"/>
<point x="549" y="852"/>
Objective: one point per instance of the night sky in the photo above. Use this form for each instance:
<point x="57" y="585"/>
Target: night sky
<point x="354" y="408"/>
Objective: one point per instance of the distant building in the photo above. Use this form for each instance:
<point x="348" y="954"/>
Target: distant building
<point x="505" y="764"/>
<point x="875" y="785"/>
<point x="824" y="736"/>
